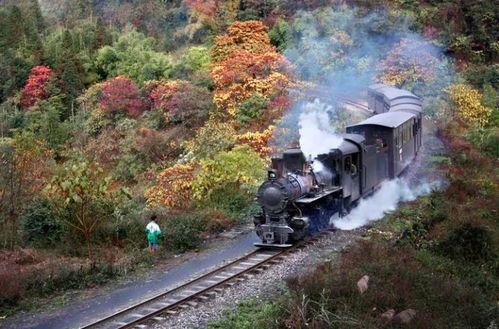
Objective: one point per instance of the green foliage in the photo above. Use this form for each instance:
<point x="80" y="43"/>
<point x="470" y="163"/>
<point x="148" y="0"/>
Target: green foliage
<point x="198" y="58"/>
<point x="182" y="232"/>
<point x="211" y="139"/>
<point x="81" y="192"/>
<point x="40" y="225"/>
<point x="133" y="55"/>
<point x="469" y="242"/>
<point x="241" y="169"/>
<point x="251" y="108"/>
<point x="279" y="34"/>
<point x="486" y="139"/>
<point x="251" y="315"/>
<point x="44" y="120"/>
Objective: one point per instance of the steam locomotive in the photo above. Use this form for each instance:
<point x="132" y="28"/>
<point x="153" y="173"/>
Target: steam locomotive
<point x="301" y="195"/>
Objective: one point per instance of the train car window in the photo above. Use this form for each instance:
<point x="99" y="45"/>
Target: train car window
<point x="348" y="163"/>
<point x="355" y="164"/>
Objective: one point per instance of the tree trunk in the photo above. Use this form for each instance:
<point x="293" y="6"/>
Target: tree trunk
<point x="87" y="240"/>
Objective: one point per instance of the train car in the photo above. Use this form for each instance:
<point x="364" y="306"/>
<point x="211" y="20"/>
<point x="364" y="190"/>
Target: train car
<point x="300" y="195"/>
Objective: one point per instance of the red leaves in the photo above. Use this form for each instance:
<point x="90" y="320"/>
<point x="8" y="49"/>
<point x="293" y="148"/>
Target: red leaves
<point x="36" y="86"/>
<point x="120" y="94"/>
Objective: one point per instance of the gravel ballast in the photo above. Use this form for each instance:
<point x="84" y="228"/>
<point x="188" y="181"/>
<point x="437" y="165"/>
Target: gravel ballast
<point x="262" y="286"/>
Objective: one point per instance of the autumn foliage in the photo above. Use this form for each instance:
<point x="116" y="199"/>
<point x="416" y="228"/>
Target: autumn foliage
<point x="121" y="95"/>
<point x="468" y="106"/>
<point x="180" y="100"/>
<point x="247" y="65"/>
<point x="408" y="61"/>
<point x="173" y="188"/>
<point x="36" y="86"/>
<point x="258" y="140"/>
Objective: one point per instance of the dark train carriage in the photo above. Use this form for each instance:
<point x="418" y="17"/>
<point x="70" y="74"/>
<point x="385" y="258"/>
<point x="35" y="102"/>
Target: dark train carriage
<point x="392" y="133"/>
<point x="381" y="98"/>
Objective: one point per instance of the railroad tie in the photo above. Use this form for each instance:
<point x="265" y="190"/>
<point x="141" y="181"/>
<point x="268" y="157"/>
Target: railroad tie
<point x="239" y="268"/>
<point x="150" y="309"/>
<point x="158" y="318"/>
<point x="120" y="323"/>
<point x="220" y="277"/>
<point x="203" y="297"/>
<point x="192" y="303"/>
<point x="141" y="326"/>
<point x="211" y="281"/>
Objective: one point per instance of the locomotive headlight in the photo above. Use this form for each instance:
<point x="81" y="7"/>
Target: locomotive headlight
<point x="271" y="174"/>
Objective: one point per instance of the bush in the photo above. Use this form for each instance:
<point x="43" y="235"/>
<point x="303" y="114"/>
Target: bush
<point x="486" y="139"/>
<point x="40" y="224"/>
<point x="328" y="297"/>
<point x="468" y="242"/>
<point x="182" y="232"/>
<point x="251" y="108"/>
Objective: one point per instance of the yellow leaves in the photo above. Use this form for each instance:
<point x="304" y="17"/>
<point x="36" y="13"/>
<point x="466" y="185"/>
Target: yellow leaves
<point x="258" y="140"/>
<point x="173" y="189"/>
<point x="468" y="106"/>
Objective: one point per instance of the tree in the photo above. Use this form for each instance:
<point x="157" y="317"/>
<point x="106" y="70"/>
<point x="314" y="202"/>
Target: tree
<point x="36" y="86"/>
<point x="26" y="166"/>
<point x="213" y="137"/>
<point x="181" y="101"/>
<point x="134" y="56"/>
<point x="408" y="62"/>
<point x="247" y="65"/>
<point x="468" y="106"/>
<point x="15" y="27"/>
<point x="240" y="169"/>
<point x="198" y="58"/>
<point x="258" y="141"/>
<point x="82" y="193"/>
<point x="172" y="189"/>
<point x="121" y="95"/>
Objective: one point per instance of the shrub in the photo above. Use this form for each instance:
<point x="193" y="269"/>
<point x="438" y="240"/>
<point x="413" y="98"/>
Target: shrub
<point x="328" y="297"/>
<point x="40" y="223"/>
<point x="468" y="242"/>
<point x="182" y="232"/>
<point x="486" y="139"/>
<point x="251" y="108"/>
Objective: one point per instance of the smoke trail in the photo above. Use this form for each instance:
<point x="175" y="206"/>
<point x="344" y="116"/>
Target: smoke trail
<point x="386" y="199"/>
<point x="316" y="134"/>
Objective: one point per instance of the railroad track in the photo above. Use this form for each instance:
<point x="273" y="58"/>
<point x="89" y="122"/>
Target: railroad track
<point x="195" y="291"/>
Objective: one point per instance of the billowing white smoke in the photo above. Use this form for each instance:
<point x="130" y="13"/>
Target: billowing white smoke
<point x="316" y="134"/>
<point x="382" y="201"/>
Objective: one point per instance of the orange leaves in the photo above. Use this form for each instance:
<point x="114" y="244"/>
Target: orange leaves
<point x="258" y="140"/>
<point x="468" y="104"/>
<point x="250" y="36"/>
<point x="408" y="61"/>
<point x="247" y="65"/>
<point x="173" y="189"/>
<point x="203" y="8"/>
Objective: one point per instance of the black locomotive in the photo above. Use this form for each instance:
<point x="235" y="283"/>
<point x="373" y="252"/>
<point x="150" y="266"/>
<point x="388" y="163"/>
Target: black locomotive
<point x="300" y="196"/>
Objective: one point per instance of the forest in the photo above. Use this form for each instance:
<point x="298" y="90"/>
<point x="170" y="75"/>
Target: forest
<point x="111" y="111"/>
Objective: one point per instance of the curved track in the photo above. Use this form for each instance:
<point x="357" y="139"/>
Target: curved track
<point x="192" y="292"/>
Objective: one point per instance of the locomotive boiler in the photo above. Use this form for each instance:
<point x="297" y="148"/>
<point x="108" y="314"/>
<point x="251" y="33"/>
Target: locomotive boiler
<point x="301" y="195"/>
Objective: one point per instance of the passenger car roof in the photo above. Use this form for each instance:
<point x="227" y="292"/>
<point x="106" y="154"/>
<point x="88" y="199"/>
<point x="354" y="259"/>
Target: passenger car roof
<point x="390" y="93"/>
<point x="388" y="119"/>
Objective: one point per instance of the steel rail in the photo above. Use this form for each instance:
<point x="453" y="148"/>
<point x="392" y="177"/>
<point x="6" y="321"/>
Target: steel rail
<point x="181" y="287"/>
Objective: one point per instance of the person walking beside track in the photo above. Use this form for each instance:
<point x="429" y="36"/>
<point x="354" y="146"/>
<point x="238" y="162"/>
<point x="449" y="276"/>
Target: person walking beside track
<point x="153" y="233"/>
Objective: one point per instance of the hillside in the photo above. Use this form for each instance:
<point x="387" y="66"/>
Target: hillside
<point x="111" y="111"/>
